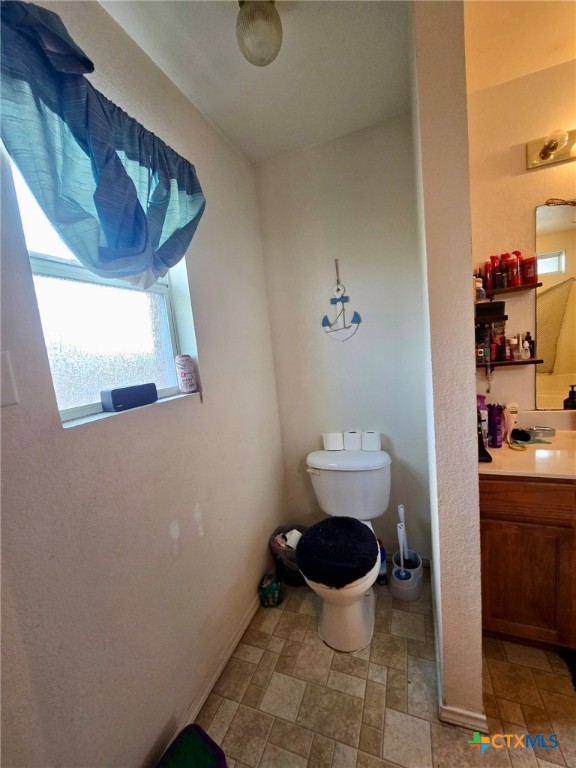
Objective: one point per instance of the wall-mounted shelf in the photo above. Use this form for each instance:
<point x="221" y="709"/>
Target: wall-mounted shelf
<point x="514" y="289"/>
<point x="490" y="319"/>
<point x="502" y="363"/>
<point x="491" y="365"/>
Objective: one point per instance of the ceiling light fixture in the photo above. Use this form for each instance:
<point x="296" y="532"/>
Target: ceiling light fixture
<point x="259" y="31"/>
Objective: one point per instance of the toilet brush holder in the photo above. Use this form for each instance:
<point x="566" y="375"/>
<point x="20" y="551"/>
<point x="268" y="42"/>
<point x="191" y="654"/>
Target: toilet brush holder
<point x="408" y="585"/>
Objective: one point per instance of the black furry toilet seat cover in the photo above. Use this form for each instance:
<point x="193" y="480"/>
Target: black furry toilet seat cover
<point x="337" y="551"/>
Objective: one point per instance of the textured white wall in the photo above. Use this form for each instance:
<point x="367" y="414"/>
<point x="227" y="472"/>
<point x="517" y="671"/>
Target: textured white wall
<point x="440" y="119"/>
<point x="110" y="632"/>
<point x="350" y="199"/>
<point x="504" y="195"/>
<point x="542" y="32"/>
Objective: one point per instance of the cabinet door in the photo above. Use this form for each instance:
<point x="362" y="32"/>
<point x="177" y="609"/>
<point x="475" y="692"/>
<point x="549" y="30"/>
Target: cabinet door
<point x="526" y="580"/>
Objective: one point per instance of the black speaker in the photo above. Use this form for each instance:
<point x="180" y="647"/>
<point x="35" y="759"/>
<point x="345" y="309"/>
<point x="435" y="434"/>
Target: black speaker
<point x="128" y="397"/>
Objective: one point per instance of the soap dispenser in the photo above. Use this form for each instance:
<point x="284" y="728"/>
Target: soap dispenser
<point x="570" y="402"/>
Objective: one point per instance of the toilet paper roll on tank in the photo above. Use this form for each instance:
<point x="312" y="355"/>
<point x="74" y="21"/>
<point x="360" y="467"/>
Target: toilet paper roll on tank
<point x="371" y="441"/>
<point x="352" y="440"/>
<point x="333" y="441"/>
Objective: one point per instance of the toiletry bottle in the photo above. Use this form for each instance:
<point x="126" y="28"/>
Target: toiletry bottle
<point x="480" y="292"/>
<point x="525" y="350"/>
<point x="483" y="454"/>
<point x="518" y="347"/>
<point x="513" y="271"/>
<point x="520" y="260"/>
<point x="488" y="276"/>
<point x="570" y="402"/>
<point x="505" y="270"/>
<point x="495" y="425"/>
<point x="530" y="270"/>
<point x="513" y="348"/>
<point x="512" y="409"/>
<point x="483" y="411"/>
<point x="530" y="341"/>
<point x="501" y="349"/>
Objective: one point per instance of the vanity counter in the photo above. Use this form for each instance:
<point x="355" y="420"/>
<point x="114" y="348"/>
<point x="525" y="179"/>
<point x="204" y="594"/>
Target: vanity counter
<point x="556" y="460"/>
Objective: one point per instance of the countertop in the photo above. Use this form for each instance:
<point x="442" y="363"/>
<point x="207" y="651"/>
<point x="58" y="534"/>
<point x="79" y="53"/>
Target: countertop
<point x="556" y="460"/>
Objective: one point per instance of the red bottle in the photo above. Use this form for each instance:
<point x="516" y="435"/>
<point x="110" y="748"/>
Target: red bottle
<point x="513" y="272"/>
<point x="518" y="255"/>
<point x="505" y="270"/>
<point x="488" y="281"/>
<point x="529" y="270"/>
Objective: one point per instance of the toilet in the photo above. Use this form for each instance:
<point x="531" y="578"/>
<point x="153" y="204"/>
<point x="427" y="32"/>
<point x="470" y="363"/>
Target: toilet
<point x="339" y="557"/>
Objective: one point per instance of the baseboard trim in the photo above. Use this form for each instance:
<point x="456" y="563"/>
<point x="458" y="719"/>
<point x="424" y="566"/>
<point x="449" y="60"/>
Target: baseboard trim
<point x="202" y="695"/>
<point x="464" y="718"/>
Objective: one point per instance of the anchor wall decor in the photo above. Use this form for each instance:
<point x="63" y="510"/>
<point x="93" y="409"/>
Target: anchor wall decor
<point x="339" y="329"/>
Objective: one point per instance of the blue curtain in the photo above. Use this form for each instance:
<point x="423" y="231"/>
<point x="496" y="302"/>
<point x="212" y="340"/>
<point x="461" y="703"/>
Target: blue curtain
<point x="125" y="203"/>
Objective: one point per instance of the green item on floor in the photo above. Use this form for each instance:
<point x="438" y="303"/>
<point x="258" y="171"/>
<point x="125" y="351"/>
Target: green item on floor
<point x="269" y="590"/>
<point x="193" y="748"/>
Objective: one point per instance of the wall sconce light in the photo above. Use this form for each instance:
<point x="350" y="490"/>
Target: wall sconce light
<point x="259" y="31"/>
<point x="557" y="147"/>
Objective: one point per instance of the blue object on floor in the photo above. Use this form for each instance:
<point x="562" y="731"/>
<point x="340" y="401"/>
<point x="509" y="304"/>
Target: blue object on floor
<point x="193" y="748"/>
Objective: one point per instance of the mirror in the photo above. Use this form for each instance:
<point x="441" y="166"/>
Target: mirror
<point x="555" y="304"/>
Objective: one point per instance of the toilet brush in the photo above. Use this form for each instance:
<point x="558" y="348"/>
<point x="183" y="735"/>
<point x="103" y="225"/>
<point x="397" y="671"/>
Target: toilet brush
<point x="401" y="573"/>
<point x="403" y="521"/>
<point x="411" y="562"/>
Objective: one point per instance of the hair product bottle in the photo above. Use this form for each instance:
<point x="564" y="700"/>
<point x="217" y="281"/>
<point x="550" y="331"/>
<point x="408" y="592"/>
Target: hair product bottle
<point x="570" y="402"/>
<point x="483" y="412"/>
<point x="513" y="271"/>
<point x="495" y="425"/>
<point x="529" y="270"/>
<point x="520" y="261"/>
<point x="505" y="270"/>
<point x="483" y="454"/>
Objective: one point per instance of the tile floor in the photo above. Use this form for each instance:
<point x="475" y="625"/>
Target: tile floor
<point x="286" y="700"/>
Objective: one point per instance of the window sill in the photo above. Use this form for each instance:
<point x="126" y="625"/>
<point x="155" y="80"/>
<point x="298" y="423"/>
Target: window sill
<point x="107" y="414"/>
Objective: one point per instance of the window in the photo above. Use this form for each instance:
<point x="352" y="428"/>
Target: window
<point x="133" y="341"/>
<point x="551" y="263"/>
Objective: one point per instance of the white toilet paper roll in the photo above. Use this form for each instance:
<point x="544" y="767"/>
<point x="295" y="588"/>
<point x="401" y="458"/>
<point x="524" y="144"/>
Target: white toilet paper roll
<point x="371" y="441"/>
<point x="353" y="440"/>
<point x="333" y="441"/>
<point x="293" y="537"/>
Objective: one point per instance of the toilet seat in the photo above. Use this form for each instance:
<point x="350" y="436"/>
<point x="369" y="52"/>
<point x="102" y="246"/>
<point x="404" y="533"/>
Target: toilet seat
<point x="337" y="553"/>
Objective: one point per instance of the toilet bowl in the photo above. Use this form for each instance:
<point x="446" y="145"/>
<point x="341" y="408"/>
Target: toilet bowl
<point x="339" y="557"/>
<point x="347" y="619"/>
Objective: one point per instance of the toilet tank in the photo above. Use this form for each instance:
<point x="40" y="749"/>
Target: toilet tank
<point x="351" y="483"/>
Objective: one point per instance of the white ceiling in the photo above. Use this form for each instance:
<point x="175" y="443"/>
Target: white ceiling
<point x="342" y="66"/>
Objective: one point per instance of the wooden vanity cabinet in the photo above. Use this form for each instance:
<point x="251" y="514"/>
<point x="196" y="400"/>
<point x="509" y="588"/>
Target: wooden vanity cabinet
<point x="528" y="539"/>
